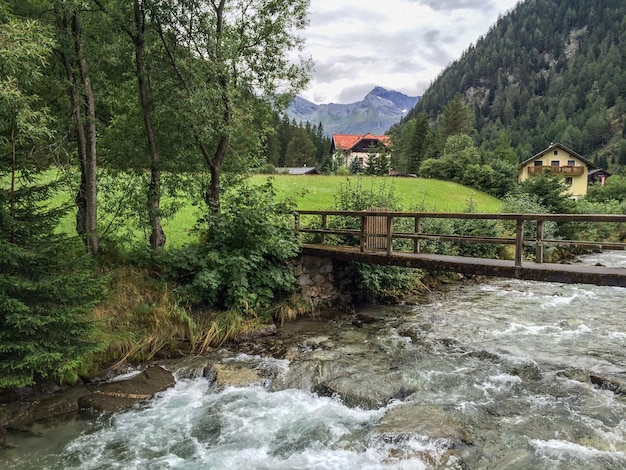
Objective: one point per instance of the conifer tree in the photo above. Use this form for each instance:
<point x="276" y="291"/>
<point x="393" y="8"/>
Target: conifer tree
<point x="47" y="284"/>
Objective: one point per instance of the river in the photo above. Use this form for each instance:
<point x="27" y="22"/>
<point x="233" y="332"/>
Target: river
<point x="490" y="375"/>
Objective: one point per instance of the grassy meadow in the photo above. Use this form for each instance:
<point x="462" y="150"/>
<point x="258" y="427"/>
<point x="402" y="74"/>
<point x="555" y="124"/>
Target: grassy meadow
<point x="318" y="193"/>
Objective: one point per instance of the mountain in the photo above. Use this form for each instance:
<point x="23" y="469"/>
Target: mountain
<point x="548" y="71"/>
<point x="376" y="113"/>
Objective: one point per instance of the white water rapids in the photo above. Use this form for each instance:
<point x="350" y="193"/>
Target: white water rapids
<point x="492" y="375"/>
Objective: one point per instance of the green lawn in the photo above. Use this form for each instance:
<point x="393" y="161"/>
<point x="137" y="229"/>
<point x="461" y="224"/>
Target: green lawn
<point x="317" y="192"/>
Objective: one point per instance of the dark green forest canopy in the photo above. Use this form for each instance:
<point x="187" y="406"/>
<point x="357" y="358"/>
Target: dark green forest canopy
<point x="550" y="71"/>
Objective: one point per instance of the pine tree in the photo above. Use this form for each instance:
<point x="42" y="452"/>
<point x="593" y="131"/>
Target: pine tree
<point x="416" y="150"/>
<point x="47" y="284"/>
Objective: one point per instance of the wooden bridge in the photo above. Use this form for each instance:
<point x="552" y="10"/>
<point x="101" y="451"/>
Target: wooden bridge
<point x="385" y="237"/>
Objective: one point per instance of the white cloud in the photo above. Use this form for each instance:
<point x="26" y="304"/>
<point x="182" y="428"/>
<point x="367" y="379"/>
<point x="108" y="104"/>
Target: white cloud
<point x="397" y="44"/>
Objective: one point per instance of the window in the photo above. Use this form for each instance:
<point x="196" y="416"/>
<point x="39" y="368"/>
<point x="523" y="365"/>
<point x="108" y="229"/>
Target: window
<point x="571" y="163"/>
<point x="556" y="152"/>
<point x="538" y="163"/>
<point x="569" y="180"/>
<point x="555" y="163"/>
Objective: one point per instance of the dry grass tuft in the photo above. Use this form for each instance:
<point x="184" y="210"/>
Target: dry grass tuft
<point x="141" y="318"/>
<point x="292" y="308"/>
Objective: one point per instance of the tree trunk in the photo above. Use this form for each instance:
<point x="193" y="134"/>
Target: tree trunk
<point x="88" y="188"/>
<point x="12" y="197"/>
<point x="157" y="236"/>
<point x="77" y="116"/>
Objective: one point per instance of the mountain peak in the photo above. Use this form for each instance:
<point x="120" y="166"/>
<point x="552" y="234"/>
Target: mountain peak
<point x="375" y="113"/>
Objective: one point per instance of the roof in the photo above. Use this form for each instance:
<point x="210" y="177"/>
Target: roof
<point x="302" y="170"/>
<point x="562" y="147"/>
<point x="348" y="141"/>
<point x="599" y="171"/>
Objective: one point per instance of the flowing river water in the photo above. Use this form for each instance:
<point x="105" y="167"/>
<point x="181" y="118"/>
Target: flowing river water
<point x="490" y="375"/>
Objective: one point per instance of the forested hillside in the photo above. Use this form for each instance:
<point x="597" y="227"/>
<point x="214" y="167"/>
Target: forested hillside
<point x="550" y="71"/>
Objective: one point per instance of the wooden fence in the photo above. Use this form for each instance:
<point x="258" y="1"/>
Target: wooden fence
<point x="376" y="231"/>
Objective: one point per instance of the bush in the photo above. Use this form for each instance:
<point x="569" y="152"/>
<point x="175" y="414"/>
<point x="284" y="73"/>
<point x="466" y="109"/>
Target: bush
<point x="524" y="203"/>
<point x="372" y="282"/>
<point x="241" y="261"/>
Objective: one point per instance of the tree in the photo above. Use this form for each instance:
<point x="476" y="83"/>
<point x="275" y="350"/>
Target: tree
<point x="416" y="148"/>
<point x="550" y="191"/>
<point x="300" y="150"/>
<point x="47" y="286"/>
<point x="222" y="51"/>
<point x="378" y="162"/>
<point x="456" y="118"/>
<point x="503" y="151"/>
<point x="136" y="31"/>
<point x="83" y="111"/>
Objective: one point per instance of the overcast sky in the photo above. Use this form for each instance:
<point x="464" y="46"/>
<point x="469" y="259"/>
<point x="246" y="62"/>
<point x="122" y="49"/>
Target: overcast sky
<point x="398" y="44"/>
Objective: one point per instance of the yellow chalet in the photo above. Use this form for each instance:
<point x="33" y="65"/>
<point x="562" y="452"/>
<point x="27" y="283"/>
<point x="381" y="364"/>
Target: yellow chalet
<point x="561" y="161"/>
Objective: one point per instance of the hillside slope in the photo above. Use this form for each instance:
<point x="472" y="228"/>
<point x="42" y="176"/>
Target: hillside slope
<point x="549" y="71"/>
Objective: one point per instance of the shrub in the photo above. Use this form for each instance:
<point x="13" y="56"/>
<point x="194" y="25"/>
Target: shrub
<point x="372" y="282"/>
<point x="241" y="261"/>
<point x="525" y="203"/>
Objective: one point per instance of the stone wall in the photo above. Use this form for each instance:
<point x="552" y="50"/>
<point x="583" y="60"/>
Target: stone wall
<point x="316" y="281"/>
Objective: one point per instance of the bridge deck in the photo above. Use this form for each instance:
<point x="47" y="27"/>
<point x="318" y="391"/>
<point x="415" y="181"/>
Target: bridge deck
<point x="547" y="272"/>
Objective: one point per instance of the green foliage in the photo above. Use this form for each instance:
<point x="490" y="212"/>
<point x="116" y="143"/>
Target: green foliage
<point x="613" y="190"/>
<point x="47" y="287"/>
<point x="378" y="163"/>
<point x="552" y="193"/>
<point x="456" y="118"/>
<point x="355" y="167"/>
<point x="546" y="72"/>
<point x="526" y="203"/>
<point x="470" y="227"/>
<point x="242" y="260"/>
<point x="458" y="157"/>
<point x="47" y="290"/>
<point x="371" y="282"/>
<point x="358" y="194"/>
<point x="416" y="142"/>
<point x="598" y="231"/>
<point x="301" y="150"/>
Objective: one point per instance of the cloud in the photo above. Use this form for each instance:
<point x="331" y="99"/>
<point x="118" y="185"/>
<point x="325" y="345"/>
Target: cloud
<point x="399" y="44"/>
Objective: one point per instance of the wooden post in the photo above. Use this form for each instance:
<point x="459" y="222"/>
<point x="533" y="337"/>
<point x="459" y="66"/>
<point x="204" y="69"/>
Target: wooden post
<point x="324" y="227"/>
<point x="297" y="224"/>
<point x="519" y="242"/>
<point x="389" y="233"/>
<point x="376" y="229"/>
<point x="362" y="237"/>
<point x="539" y="243"/>
<point x="417" y="230"/>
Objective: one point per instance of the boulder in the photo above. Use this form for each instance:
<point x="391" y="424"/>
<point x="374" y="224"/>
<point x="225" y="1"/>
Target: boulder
<point x="235" y="375"/>
<point x="113" y="397"/>
<point x="424" y="420"/>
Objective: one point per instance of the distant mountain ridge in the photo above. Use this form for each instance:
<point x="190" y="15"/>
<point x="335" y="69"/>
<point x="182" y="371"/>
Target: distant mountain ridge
<point x="376" y="113"/>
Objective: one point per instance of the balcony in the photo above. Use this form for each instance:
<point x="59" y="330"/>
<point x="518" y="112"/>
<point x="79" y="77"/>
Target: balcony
<point x="566" y="170"/>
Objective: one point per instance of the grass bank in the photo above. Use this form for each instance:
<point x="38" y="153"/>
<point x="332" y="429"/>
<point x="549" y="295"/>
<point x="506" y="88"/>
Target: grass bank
<point x="318" y="192"/>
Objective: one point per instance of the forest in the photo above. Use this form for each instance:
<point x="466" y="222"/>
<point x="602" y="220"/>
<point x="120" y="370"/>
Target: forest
<point x="136" y="103"/>
<point x="550" y="71"/>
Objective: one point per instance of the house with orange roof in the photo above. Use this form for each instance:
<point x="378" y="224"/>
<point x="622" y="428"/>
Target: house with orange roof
<point x="357" y="147"/>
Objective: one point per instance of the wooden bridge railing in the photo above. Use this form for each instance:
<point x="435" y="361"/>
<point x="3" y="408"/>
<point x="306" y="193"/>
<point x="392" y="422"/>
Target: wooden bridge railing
<point x="371" y="222"/>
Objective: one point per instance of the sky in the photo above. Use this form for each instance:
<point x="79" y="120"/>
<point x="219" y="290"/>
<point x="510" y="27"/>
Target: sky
<point x="400" y="45"/>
